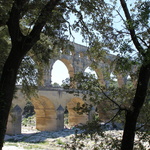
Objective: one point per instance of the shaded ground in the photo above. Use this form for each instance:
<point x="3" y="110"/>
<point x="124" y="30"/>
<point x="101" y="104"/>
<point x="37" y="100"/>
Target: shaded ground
<point x="33" y="139"/>
<point x="57" y="140"/>
<point x="36" y="140"/>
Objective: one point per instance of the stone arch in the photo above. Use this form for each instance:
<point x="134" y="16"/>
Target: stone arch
<point x="48" y="70"/>
<point x="120" y="81"/>
<point x="45" y="114"/>
<point x="91" y="71"/>
<point x="69" y="66"/>
<point x="74" y="118"/>
<point x="120" y="78"/>
<point x="129" y="80"/>
<point x="99" y="74"/>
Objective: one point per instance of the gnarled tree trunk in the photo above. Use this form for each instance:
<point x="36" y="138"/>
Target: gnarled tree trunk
<point x="20" y="46"/>
<point x="133" y="113"/>
<point x="7" y="87"/>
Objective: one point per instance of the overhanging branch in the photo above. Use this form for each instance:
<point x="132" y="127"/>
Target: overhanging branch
<point x="46" y="14"/>
<point x="131" y="28"/>
<point x="13" y="21"/>
<point x="114" y="102"/>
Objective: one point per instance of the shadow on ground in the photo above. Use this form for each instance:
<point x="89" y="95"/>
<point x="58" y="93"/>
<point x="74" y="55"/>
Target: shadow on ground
<point x="40" y="136"/>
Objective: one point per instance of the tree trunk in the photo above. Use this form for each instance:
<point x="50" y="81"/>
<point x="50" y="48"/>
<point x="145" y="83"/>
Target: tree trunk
<point x="7" y="87"/>
<point x="20" y="46"/>
<point x="133" y="113"/>
<point x="129" y="130"/>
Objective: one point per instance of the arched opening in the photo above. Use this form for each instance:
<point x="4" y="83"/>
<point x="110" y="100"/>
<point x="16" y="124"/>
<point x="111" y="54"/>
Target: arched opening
<point x="59" y="73"/>
<point x="128" y="80"/>
<point x="75" y="118"/>
<point x="89" y="70"/>
<point x="113" y="80"/>
<point x="45" y="114"/>
<point x="28" y="118"/>
<point x="116" y="80"/>
<point x="97" y="73"/>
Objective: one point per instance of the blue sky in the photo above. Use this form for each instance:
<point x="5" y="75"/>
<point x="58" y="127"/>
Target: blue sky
<point x="60" y="71"/>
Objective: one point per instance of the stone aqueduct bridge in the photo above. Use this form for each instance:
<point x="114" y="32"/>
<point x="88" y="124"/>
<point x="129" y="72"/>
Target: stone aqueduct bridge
<point x="51" y="103"/>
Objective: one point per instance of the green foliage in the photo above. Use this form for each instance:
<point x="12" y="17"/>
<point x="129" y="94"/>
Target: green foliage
<point x="28" y="76"/>
<point x="4" y="9"/>
<point x="55" y="85"/>
<point x="130" y="42"/>
<point x="60" y="142"/>
<point x="30" y="121"/>
<point x="27" y="146"/>
<point x="112" y="101"/>
<point x="95" y="20"/>
<point x="92" y="91"/>
<point x="94" y="138"/>
<point x="66" y="119"/>
<point x="144" y="117"/>
<point x="28" y="110"/>
<point x="143" y="17"/>
<point x="124" y="65"/>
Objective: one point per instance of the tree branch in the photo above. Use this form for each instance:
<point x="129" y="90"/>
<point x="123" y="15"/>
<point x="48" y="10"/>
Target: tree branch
<point x="46" y="14"/>
<point x="118" y="112"/>
<point x="80" y="17"/>
<point x="13" y="21"/>
<point x="143" y="125"/>
<point x="70" y="32"/>
<point x="131" y="28"/>
<point x="120" y="108"/>
<point x="143" y="41"/>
